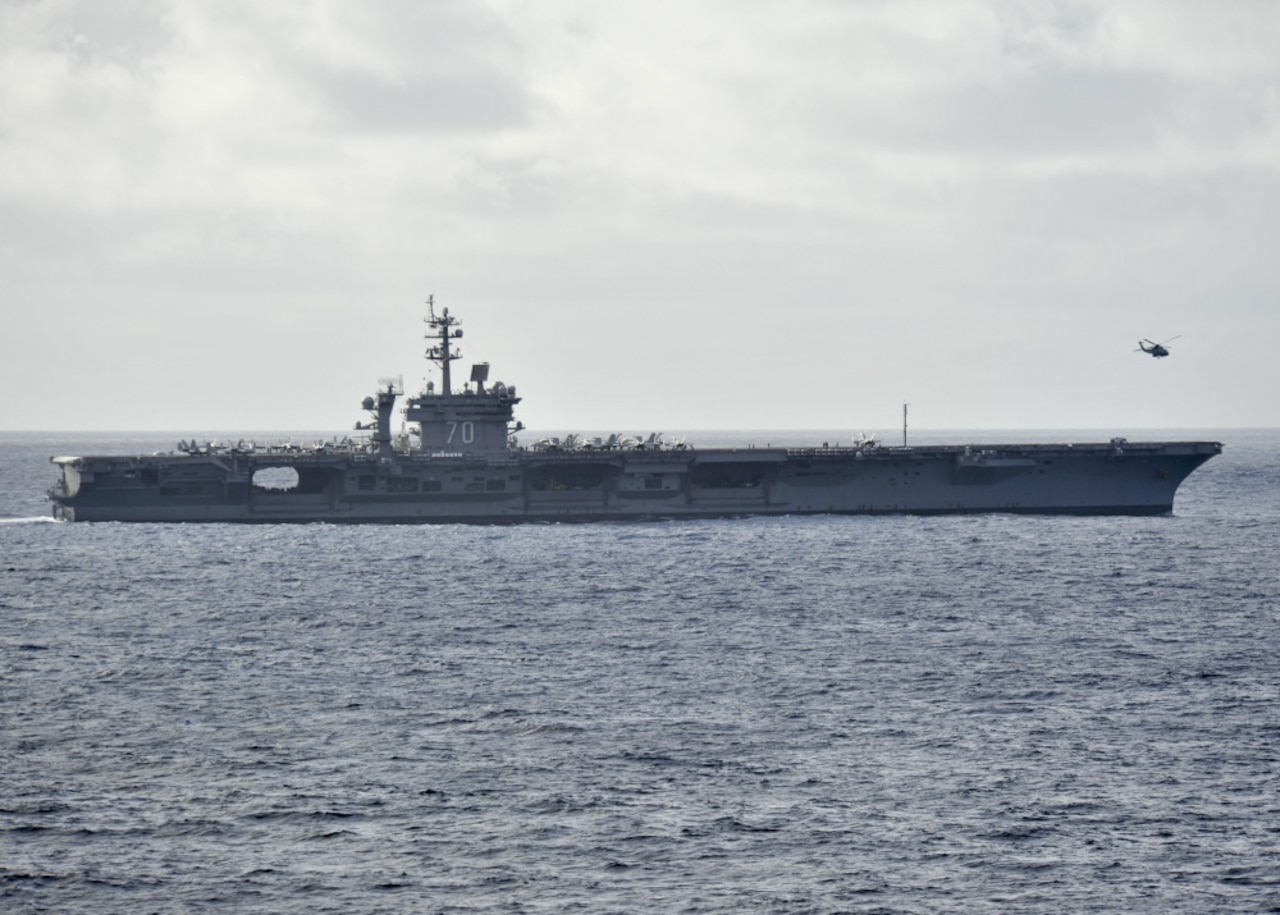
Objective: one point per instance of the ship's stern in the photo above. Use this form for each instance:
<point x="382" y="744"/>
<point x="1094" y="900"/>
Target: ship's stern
<point x="63" y="493"/>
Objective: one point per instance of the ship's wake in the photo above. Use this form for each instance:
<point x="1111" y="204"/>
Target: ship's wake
<point x="39" y="519"/>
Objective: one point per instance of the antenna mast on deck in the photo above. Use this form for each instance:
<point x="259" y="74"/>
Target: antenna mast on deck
<point x="442" y="328"/>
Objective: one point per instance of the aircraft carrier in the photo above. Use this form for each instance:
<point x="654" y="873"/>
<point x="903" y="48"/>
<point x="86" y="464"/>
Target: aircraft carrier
<point x="460" y="460"/>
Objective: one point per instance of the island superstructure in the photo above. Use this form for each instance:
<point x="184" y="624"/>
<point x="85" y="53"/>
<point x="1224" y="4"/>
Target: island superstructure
<point x="460" y="460"/>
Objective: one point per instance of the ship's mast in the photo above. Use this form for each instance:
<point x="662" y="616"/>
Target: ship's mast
<point x="442" y="328"/>
<point x="474" y="422"/>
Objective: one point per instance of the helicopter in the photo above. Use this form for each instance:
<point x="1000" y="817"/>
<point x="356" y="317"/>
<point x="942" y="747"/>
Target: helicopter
<point x="1158" y="350"/>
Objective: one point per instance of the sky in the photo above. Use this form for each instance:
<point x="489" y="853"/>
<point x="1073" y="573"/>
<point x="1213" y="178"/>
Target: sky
<point x="657" y="215"/>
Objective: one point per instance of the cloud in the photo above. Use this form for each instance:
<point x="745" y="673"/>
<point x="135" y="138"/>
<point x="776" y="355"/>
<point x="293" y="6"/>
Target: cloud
<point x="936" y="186"/>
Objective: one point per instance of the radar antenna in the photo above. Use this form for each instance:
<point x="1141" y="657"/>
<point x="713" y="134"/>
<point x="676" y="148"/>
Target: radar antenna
<point x="443" y="329"/>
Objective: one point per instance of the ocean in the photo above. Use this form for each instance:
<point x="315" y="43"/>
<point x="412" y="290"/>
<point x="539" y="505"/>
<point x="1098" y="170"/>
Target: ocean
<point x="990" y="713"/>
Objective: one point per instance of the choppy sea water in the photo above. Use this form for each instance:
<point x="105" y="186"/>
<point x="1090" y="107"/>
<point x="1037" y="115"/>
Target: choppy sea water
<point x="820" y="714"/>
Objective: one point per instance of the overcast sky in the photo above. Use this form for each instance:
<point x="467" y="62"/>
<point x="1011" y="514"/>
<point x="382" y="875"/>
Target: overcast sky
<point x="222" y="215"/>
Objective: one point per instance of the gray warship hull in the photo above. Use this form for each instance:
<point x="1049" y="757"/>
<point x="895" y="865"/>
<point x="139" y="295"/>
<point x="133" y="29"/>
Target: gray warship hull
<point x="1084" y="479"/>
<point x="463" y="462"/>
